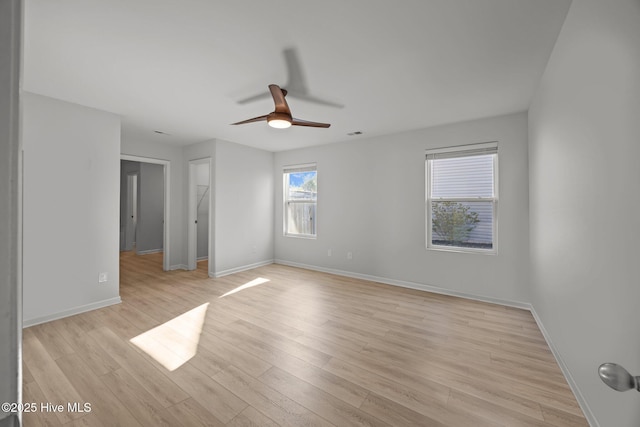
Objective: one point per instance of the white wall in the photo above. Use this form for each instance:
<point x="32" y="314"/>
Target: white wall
<point x="10" y="285"/>
<point x="371" y="201"/>
<point x="177" y="202"/>
<point x="584" y="198"/>
<point x="243" y="193"/>
<point x="71" y="207"/>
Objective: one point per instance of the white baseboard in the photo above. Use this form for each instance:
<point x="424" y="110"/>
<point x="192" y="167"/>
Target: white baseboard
<point x="565" y="371"/>
<point x="405" y="284"/>
<point x="149" y="251"/>
<point x="203" y="258"/>
<point x="70" y="312"/>
<point x="242" y="268"/>
<point x="178" y="267"/>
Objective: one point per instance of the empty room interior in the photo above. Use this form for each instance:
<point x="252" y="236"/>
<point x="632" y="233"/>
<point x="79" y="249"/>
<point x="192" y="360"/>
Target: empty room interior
<point x="362" y="213"/>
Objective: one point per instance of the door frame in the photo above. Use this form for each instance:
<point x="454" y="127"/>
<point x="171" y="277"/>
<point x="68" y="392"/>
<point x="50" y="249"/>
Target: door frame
<point x="166" y="247"/>
<point x="192" y="215"/>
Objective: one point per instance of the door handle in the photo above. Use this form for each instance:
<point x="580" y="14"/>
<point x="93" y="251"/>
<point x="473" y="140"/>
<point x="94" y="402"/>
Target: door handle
<point x="618" y="378"/>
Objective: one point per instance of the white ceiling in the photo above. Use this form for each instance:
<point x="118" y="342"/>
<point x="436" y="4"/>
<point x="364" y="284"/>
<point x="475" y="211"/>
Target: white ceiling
<point x="180" y="66"/>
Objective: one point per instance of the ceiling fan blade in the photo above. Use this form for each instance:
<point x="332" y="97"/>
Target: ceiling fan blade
<point x="278" y="98"/>
<point x="296" y="85"/>
<point x="298" y="122"/>
<point x="255" y="119"/>
<point x="315" y="100"/>
<point x="295" y="75"/>
<point x="263" y="95"/>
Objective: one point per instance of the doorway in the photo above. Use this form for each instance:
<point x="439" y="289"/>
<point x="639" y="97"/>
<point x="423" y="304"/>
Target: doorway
<point x="145" y="215"/>
<point x="199" y="218"/>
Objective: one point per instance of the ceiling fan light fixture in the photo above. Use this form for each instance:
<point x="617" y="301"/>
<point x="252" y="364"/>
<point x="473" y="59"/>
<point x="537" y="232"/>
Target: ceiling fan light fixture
<point x="279" y="120"/>
<point x="279" y="123"/>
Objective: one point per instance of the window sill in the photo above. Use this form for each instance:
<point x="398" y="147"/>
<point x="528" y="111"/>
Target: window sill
<point x="462" y="250"/>
<point x="301" y="236"/>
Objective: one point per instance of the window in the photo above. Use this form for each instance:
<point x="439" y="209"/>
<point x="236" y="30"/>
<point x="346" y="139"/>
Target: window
<point x="462" y="198"/>
<point x="300" y="200"/>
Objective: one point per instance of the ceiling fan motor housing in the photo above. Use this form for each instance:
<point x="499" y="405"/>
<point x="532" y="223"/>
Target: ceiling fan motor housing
<point x="279" y="116"/>
<point x="279" y="120"/>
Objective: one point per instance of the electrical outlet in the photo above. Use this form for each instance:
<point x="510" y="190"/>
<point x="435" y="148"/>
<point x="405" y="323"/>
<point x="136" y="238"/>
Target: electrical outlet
<point x="102" y="277"/>
<point x="329" y="253"/>
<point x="349" y="255"/>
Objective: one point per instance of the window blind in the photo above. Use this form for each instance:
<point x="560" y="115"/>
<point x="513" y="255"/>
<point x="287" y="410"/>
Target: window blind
<point x="462" y="177"/>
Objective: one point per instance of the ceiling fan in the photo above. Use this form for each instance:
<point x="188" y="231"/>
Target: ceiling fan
<point x="281" y="117"/>
<point x="296" y="83"/>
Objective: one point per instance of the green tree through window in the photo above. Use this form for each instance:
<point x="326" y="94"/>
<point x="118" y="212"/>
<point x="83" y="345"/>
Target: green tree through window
<point x="453" y="221"/>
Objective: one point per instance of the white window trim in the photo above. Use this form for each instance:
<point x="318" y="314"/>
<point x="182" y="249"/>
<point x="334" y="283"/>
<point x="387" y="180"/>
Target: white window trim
<point x="462" y="151"/>
<point x="306" y="167"/>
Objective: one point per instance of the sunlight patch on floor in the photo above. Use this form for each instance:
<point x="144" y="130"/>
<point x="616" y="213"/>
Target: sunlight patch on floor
<point x="175" y="342"/>
<point x="251" y="284"/>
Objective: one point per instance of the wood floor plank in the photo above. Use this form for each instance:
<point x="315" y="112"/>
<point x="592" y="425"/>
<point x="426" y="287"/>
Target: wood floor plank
<point x="250" y="417"/>
<point x="324" y="340"/>
<point x="135" y="315"/>
<point x="149" y="376"/>
<point x="395" y="389"/>
<point x="302" y="348"/>
<point x="396" y="414"/>
<point x="496" y="415"/>
<point x="232" y="354"/>
<point x="53" y="383"/>
<point x="269" y="347"/>
<point x="86" y="346"/>
<point x="432" y="404"/>
<point x="104" y="318"/>
<point x="26" y="374"/>
<point x="53" y="342"/>
<point x="307" y="369"/>
<point x="191" y="413"/>
<point x="86" y="421"/>
<point x="34" y="416"/>
<point x="105" y="406"/>
<point x="142" y="405"/>
<point x="271" y="403"/>
<point x="208" y="362"/>
<point x="520" y="395"/>
<point x="322" y="403"/>
<point x="326" y="381"/>
<point x="497" y="392"/>
<point x="561" y="418"/>
<point x="218" y="400"/>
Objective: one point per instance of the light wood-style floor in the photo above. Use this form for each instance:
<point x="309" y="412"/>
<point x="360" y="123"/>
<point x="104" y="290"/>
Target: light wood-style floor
<point x="301" y="349"/>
